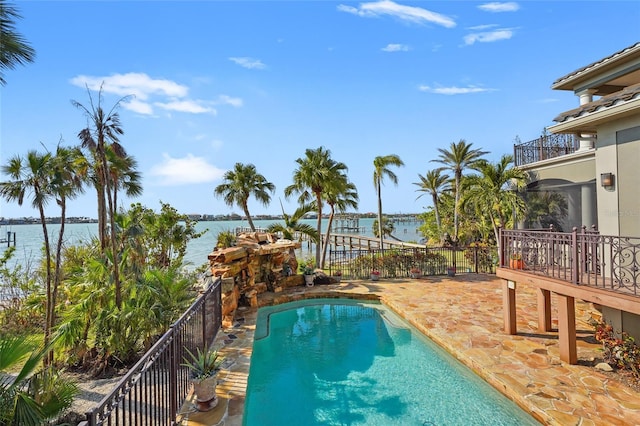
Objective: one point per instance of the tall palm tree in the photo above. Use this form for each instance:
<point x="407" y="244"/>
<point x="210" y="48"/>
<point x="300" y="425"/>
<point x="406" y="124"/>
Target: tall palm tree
<point x="494" y="191"/>
<point x="381" y="169"/>
<point x="242" y="182"/>
<point x="340" y="196"/>
<point x="434" y="183"/>
<point x="101" y="138"/>
<point x="31" y="176"/>
<point x="311" y="179"/>
<point x="14" y="50"/>
<point x="457" y="158"/>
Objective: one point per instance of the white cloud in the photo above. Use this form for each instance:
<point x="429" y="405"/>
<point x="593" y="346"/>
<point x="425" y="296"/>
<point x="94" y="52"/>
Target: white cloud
<point x="453" y="90"/>
<point x="392" y="47"/>
<point x="193" y="107"/>
<point x="416" y="15"/>
<point x="228" y="100"/>
<point x="166" y="94"/>
<point x="482" y="27"/>
<point x="489" y="36"/>
<point x="138" y="84"/>
<point x="183" y="171"/>
<point x="249" y="63"/>
<point x="499" y="7"/>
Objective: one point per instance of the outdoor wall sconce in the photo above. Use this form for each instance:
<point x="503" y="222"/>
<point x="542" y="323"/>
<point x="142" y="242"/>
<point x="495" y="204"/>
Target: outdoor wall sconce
<point x="607" y="180"/>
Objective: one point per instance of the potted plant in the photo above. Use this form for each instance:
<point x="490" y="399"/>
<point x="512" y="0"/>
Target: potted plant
<point x="515" y="261"/>
<point x="337" y="275"/>
<point x="204" y="367"/>
<point x="375" y="275"/>
<point x="451" y="271"/>
<point x="415" y="272"/>
<point x="309" y="275"/>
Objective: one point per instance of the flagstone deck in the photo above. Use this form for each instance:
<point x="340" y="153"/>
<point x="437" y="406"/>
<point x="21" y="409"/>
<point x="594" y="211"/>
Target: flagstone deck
<point x="464" y="315"/>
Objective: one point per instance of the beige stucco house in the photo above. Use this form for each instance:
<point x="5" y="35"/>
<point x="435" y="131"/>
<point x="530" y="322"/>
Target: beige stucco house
<point x="591" y="155"/>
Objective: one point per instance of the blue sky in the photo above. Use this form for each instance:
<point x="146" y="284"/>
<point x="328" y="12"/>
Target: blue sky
<point x="216" y="83"/>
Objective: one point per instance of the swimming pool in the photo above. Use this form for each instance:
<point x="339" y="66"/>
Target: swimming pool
<point x="345" y="362"/>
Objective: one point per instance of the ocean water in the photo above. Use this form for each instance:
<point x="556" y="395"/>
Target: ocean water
<point x="29" y="238"/>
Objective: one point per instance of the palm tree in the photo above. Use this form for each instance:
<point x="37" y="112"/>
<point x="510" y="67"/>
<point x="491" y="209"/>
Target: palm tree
<point x="101" y="138"/>
<point x="459" y="156"/>
<point x="340" y="196"/>
<point x="30" y="398"/>
<point x="380" y="170"/>
<point x="242" y="182"/>
<point x="434" y="183"/>
<point x="32" y="175"/>
<point x="292" y="226"/>
<point x="315" y="173"/>
<point x="14" y="50"/>
<point x="494" y="191"/>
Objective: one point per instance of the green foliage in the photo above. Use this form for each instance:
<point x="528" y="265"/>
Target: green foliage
<point x="225" y="239"/>
<point x="30" y="397"/>
<point x="205" y="363"/>
<point x="387" y="227"/>
<point x="486" y="255"/>
<point x="307" y="266"/>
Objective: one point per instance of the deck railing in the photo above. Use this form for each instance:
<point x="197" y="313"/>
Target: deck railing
<point x="400" y="262"/>
<point x="545" y="147"/>
<point x="582" y="257"/>
<point x="153" y="390"/>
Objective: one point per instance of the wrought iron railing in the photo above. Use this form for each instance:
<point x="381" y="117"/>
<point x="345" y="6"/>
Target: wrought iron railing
<point x="545" y="147"/>
<point x="581" y="257"/>
<point x="153" y="390"/>
<point x="402" y="262"/>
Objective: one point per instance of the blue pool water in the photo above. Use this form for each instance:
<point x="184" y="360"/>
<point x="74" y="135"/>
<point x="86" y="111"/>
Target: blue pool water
<point x="342" y="362"/>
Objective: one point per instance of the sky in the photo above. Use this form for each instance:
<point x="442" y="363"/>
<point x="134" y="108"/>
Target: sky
<point x="202" y="85"/>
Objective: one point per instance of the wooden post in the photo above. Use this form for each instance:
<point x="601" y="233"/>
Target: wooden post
<point x="544" y="309"/>
<point x="567" y="329"/>
<point x="509" y="306"/>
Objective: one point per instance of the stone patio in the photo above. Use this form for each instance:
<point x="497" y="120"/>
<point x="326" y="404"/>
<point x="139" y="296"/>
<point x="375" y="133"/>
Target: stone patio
<point x="463" y="315"/>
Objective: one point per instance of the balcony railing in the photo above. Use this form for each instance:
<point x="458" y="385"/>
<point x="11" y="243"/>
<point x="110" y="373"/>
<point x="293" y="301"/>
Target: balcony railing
<point x="581" y="257"/>
<point x="153" y="390"/>
<point x="545" y="147"/>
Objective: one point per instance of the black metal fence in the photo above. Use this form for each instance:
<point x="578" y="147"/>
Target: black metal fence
<point x="405" y="262"/>
<point x="581" y="257"/>
<point x="153" y="391"/>
<point x="547" y="146"/>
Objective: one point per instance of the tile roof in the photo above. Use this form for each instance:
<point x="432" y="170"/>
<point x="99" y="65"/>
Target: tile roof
<point x="596" y="64"/>
<point x="627" y="94"/>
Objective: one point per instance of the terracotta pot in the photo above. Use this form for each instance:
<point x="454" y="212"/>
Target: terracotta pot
<point x="205" y="391"/>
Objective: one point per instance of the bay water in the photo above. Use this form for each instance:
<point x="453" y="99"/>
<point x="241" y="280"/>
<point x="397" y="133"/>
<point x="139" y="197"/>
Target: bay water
<point x="29" y="238"/>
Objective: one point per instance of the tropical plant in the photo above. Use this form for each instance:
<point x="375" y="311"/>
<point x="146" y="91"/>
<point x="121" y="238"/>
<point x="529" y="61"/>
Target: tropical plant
<point x="312" y="179"/>
<point x="434" y="183"/>
<point x="457" y="158"/>
<point x="381" y="169"/>
<point x="101" y="139"/>
<point x="242" y="182"/>
<point x="14" y="49"/>
<point x="226" y="239"/>
<point x="30" y="397"/>
<point x="545" y="208"/>
<point x="495" y="192"/>
<point x="340" y="196"/>
<point x="203" y="364"/>
<point x="292" y="227"/>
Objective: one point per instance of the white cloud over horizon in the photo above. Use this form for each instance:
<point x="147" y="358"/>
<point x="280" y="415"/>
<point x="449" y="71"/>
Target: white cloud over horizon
<point x="453" y="90"/>
<point x="395" y="47"/>
<point x="185" y="171"/>
<point x="416" y="15"/>
<point x="497" y="7"/>
<point x="247" y="62"/>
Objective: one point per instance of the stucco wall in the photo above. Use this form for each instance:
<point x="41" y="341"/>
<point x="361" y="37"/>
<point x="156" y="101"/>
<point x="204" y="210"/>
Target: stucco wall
<point x="618" y="152"/>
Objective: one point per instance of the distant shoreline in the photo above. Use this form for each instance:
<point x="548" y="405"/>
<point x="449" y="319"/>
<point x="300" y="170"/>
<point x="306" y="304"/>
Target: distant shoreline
<point x="199" y="218"/>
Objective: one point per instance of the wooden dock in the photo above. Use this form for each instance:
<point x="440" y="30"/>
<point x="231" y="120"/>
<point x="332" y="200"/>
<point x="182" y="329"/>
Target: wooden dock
<point x="9" y="240"/>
